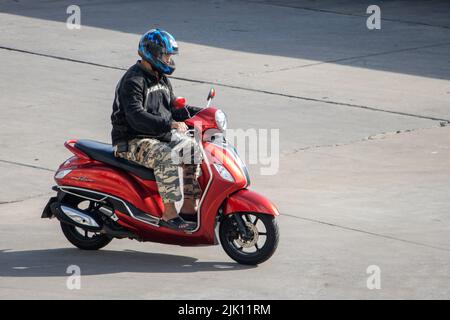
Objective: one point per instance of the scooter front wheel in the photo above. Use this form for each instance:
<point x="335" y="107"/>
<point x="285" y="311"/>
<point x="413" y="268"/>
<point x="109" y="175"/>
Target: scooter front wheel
<point x="257" y="245"/>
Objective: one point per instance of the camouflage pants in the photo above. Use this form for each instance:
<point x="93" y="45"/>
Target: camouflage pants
<point x="165" y="158"/>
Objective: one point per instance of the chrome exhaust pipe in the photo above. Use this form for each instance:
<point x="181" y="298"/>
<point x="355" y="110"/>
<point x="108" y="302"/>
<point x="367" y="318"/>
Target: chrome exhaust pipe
<point x="74" y="217"/>
<point x="79" y="217"/>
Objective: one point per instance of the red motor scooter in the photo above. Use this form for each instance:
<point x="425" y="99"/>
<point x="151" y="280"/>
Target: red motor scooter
<point x="101" y="197"/>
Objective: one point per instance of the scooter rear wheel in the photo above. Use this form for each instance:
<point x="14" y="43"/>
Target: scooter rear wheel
<point x="79" y="237"/>
<point x="258" y="246"/>
<point x="83" y="239"/>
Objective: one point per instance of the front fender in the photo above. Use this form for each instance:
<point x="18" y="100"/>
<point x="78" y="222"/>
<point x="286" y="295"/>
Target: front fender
<point x="249" y="201"/>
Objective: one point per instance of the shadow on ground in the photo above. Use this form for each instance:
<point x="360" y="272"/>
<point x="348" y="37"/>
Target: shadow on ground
<point x="54" y="263"/>
<point x="325" y="31"/>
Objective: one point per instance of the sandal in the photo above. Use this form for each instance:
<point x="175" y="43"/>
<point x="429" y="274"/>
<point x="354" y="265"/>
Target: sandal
<point x="177" y="223"/>
<point x="190" y="217"/>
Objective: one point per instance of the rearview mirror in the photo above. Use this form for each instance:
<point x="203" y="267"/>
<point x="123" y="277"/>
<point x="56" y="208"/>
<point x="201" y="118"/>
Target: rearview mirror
<point x="211" y="94"/>
<point x="179" y="102"/>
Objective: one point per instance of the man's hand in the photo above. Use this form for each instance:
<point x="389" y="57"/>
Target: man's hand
<point x="179" y="126"/>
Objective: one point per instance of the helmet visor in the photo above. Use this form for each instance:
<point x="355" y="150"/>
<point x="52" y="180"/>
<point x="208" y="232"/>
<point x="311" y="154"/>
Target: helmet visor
<point x="167" y="59"/>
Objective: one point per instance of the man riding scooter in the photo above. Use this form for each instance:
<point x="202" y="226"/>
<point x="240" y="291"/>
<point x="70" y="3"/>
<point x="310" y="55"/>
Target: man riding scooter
<point x="107" y="192"/>
<point x="145" y="126"/>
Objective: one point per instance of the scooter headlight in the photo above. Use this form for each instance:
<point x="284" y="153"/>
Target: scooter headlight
<point x="224" y="173"/>
<point x="221" y="120"/>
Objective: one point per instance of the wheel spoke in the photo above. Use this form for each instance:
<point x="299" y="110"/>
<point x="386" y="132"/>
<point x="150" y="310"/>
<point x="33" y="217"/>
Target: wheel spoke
<point x="85" y="234"/>
<point x="262" y="233"/>
<point x="247" y="218"/>
<point x="237" y="246"/>
<point x="256" y="221"/>
<point x="257" y="247"/>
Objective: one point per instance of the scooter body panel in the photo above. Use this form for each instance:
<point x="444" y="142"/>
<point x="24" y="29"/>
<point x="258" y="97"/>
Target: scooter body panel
<point x="249" y="201"/>
<point x="99" y="177"/>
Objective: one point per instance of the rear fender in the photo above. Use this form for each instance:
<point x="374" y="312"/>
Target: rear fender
<point x="47" y="212"/>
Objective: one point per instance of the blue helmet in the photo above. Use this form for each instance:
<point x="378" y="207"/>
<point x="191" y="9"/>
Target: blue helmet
<point x="153" y="45"/>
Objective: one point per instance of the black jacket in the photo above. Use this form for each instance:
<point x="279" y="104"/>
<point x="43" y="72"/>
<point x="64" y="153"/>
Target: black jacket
<point x="143" y="107"/>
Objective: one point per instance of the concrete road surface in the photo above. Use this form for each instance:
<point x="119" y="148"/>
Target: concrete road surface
<point x="363" y="181"/>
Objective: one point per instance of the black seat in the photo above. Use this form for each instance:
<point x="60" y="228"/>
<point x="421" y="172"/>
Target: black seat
<point x="103" y="152"/>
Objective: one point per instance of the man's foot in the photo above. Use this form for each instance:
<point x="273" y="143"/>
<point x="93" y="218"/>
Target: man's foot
<point x="189" y="206"/>
<point x="177" y="223"/>
<point x="170" y="211"/>
<point x="170" y="219"/>
<point x="192" y="217"/>
<point x="189" y="210"/>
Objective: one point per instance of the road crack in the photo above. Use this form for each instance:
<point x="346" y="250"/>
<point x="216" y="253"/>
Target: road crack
<point x="378" y="136"/>
<point x="26" y="198"/>
<point x="379" y="235"/>
<point x="279" y="94"/>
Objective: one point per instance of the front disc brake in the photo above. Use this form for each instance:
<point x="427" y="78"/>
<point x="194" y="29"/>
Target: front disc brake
<point x="248" y="243"/>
